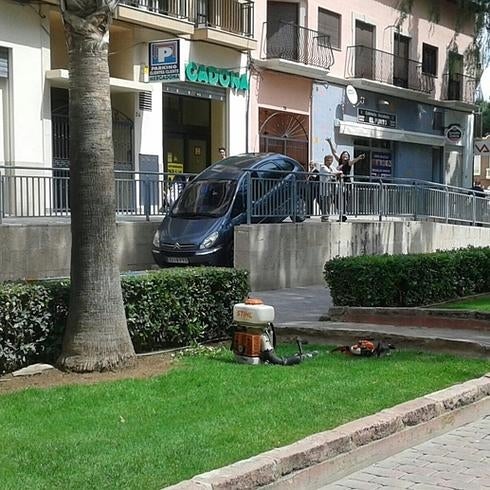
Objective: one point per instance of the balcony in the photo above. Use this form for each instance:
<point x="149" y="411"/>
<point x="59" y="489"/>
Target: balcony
<point x="458" y="87"/>
<point x="228" y="22"/>
<point x="294" y="49"/>
<point x="172" y="16"/>
<point x="384" y="67"/>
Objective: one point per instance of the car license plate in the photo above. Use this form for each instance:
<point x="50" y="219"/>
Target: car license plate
<point x="177" y="260"/>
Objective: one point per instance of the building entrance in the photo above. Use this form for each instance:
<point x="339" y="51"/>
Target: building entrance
<point x="379" y="158"/>
<point x="191" y="125"/>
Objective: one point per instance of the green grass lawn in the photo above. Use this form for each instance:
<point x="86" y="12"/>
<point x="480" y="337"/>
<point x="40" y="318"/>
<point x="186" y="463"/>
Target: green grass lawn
<point x="477" y="304"/>
<point x="205" y="413"/>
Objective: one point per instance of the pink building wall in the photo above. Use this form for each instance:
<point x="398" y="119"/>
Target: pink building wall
<point x="279" y="91"/>
<point x="284" y="90"/>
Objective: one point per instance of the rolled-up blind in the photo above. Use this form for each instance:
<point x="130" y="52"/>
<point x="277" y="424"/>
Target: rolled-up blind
<point x="4" y="62"/>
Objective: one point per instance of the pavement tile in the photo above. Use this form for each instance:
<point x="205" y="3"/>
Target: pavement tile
<point x="385" y="473"/>
<point x="418" y="478"/>
<point x="447" y="462"/>
<point x="358" y="484"/>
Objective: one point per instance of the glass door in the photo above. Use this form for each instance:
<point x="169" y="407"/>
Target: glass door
<point x="197" y="150"/>
<point x="282" y="30"/>
<point x="364" y="50"/>
<point x="400" y="61"/>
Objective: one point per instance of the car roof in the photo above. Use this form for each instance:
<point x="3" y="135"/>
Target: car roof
<point x="233" y="167"/>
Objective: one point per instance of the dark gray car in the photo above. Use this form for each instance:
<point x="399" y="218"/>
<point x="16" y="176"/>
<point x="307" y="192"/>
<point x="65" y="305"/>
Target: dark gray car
<point x="198" y="230"/>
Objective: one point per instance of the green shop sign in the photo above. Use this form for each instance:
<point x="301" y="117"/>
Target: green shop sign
<point x="211" y="75"/>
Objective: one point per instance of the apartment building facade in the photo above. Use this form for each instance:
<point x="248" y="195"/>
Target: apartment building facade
<point x="412" y="86"/>
<point x="179" y="83"/>
<point x="189" y="76"/>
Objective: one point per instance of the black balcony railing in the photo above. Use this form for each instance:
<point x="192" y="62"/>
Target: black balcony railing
<point x="456" y="86"/>
<point x="228" y="15"/>
<point x="381" y="66"/>
<point x="171" y="8"/>
<point x="288" y="41"/>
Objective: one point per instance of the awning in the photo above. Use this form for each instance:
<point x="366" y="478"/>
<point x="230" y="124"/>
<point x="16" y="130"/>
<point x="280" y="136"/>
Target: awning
<point x="376" y="132"/>
<point x="59" y="78"/>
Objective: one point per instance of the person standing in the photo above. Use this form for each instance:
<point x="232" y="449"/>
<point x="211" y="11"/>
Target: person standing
<point x="327" y="178"/>
<point x="321" y="189"/>
<point x="312" y="188"/>
<point x="222" y="152"/>
<point x="345" y="164"/>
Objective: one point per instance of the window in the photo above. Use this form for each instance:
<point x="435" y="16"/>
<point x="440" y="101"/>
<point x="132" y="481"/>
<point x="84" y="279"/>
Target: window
<point x="329" y="26"/>
<point x="438" y="121"/>
<point x="429" y="59"/>
<point x="477" y="165"/>
<point x="285" y="165"/>
<point x="400" y="62"/>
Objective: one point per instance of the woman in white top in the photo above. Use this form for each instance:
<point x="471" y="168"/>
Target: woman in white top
<point x="327" y="185"/>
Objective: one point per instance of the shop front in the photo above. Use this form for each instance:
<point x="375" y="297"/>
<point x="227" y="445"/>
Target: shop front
<point x="204" y="100"/>
<point x="400" y="138"/>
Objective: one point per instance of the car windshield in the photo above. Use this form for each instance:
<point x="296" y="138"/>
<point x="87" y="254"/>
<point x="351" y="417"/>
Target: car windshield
<point x="205" y="198"/>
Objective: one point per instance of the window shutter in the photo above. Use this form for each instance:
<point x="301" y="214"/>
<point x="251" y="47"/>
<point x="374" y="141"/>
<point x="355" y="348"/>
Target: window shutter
<point x="4" y="62"/>
<point x="329" y="23"/>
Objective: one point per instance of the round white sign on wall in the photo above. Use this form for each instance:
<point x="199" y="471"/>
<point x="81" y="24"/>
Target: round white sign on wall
<point x="351" y="94"/>
<point x="454" y="133"/>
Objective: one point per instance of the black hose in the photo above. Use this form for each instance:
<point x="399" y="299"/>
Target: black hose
<point x="270" y="356"/>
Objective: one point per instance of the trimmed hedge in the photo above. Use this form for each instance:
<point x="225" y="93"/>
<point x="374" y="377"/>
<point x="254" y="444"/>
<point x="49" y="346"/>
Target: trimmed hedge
<point x="166" y="308"/>
<point x="408" y="280"/>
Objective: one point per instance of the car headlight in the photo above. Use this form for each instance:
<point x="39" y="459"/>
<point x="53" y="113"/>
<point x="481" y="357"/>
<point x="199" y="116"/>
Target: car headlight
<point x="156" y="239"/>
<point x="210" y="240"/>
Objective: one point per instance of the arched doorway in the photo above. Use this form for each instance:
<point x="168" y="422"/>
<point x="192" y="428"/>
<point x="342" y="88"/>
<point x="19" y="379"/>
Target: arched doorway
<point x="284" y="132"/>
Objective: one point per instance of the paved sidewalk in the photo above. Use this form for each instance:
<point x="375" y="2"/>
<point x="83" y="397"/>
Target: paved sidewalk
<point x="307" y="303"/>
<point x="458" y="460"/>
<point x="298" y="311"/>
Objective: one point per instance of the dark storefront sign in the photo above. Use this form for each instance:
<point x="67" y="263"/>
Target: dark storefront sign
<point x="376" y="118"/>
<point x="381" y="164"/>
<point x="164" y="61"/>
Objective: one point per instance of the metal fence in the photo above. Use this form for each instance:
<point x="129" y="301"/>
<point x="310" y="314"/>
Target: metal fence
<point x="456" y="86"/>
<point x="292" y="42"/>
<point x="381" y="66"/>
<point x="274" y="198"/>
<point x="33" y="192"/>
<point x="234" y="16"/>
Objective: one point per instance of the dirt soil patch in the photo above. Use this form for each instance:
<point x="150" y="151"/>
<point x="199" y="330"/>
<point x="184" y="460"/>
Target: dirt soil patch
<point x="144" y="367"/>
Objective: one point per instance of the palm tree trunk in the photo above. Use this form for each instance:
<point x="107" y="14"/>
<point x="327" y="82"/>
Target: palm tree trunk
<point x="96" y="337"/>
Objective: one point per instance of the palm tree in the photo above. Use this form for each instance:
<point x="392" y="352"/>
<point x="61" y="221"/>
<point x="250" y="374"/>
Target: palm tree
<point x="96" y="337"/>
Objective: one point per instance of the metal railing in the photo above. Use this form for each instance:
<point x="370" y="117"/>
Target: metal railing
<point x="456" y="86"/>
<point x="288" y="41"/>
<point x="381" y="66"/>
<point x="275" y="198"/>
<point x="33" y="192"/>
<point x="171" y="8"/>
<point x="229" y="15"/>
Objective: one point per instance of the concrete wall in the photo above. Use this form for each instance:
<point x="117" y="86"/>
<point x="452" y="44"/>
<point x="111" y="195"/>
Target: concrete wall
<point x="43" y="250"/>
<point x="289" y="255"/>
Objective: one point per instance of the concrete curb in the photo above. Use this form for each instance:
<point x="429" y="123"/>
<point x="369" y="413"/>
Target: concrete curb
<point x="407" y="337"/>
<point x="268" y="468"/>
<point x="411" y="317"/>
